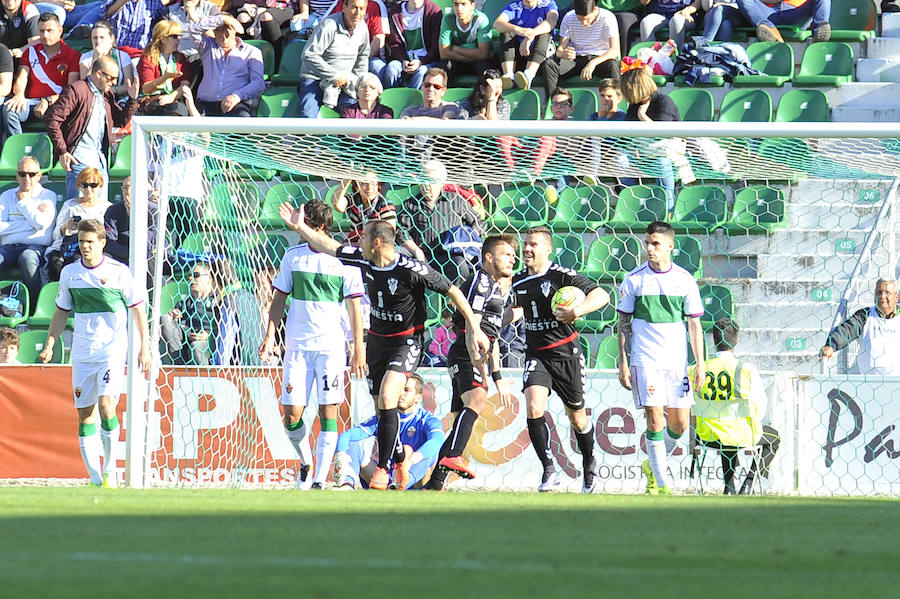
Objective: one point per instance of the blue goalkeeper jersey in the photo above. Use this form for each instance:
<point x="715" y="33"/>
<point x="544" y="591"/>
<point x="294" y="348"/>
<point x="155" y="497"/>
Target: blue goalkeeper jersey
<point x="421" y="430"/>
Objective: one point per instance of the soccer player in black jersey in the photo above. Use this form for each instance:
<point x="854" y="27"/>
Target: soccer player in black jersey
<point x="486" y="294"/>
<point x="396" y="288"/>
<point x="553" y="356"/>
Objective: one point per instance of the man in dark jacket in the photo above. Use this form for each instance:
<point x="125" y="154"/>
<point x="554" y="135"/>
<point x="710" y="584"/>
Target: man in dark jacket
<point x="80" y="122"/>
<point x="412" y="46"/>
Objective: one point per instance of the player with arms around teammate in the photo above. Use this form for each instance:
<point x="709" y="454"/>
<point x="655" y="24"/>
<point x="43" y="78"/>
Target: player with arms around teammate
<point x="553" y="357"/>
<point x="315" y="356"/>
<point x="396" y="288"/>
<point x="654" y="300"/>
<point x="486" y="294"/>
<point x="101" y="292"/>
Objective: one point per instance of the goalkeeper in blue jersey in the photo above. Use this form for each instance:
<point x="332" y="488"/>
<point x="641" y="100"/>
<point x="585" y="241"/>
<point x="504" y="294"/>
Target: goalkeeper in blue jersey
<point x="419" y="429"/>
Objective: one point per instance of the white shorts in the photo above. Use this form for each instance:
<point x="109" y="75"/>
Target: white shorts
<point x="305" y="370"/>
<point x="91" y="380"/>
<point x="651" y="387"/>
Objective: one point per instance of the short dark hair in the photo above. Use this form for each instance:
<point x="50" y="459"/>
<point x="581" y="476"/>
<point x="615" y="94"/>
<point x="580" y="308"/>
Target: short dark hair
<point x="420" y="383"/>
<point x="659" y="226"/>
<point x="437" y="72"/>
<point x="725" y="334"/>
<point x="318" y="214"/>
<point x="609" y="83"/>
<point x="562" y="91"/>
<point x="49" y="16"/>
<point x="383" y="230"/>
<point x="92" y="225"/>
<point x="9" y="336"/>
<point x="584" y="7"/>
<point x="493" y="241"/>
<point x="540" y="230"/>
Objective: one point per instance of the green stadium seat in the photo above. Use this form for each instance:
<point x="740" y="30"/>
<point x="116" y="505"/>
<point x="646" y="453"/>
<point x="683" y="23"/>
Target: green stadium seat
<point x="289" y="68"/>
<point x="327" y="112"/>
<point x="25" y="144"/>
<point x="568" y="251"/>
<point x="520" y="208"/>
<point x="607" y="353"/>
<point x="758" y="209"/>
<point x="398" y="98"/>
<point x="773" y="59"/>
<point x="295" y="193"/>
<point x="398" y="195"/>
<point x="232" y="206"/>
<point x="21" y="293"/>
<point x="31" y="343"/>
<point x="611" y="257"/>
<point x="790" y="33"/>
<point x="746" y="106"/>
<point x="268" y="54"/>
<point x="694" y="103"/>
<point x="278" y="102"/>
<point x="637" y="207"/>
<point x="853" y="20"/>
<point x="171" y="292"/>
<point x="803" y="106"/>
<point x="46" y="307"/>
<point x="604" y="317"/>
<point x="525" y="104"/>
<point x="199" y="243"/>
<point x="457" y="94"/>
<point x="584" y="101"/>
<point x="687" y="255"/>
<point x="718" y="302"/>
<point x="581" y="208"/>
<point x="826" y="63"/>
<point x="700" y="208"/>
<point x="121" y="167"/>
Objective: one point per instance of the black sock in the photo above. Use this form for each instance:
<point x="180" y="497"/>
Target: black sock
<point x="729" y="459"/>
<point x="460" y="432"/>
<point x="539" y="433"/>
<point x="585" y="442"/>
<point x="438" y="478"/>
<point x="388" y="427"/>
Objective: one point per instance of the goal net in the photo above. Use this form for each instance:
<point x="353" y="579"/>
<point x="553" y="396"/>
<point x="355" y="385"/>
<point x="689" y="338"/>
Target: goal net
<point x="786" y="230"/>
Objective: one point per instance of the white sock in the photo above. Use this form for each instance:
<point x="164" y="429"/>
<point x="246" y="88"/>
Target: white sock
<point x="656" y="451"/>
<point x="90" y="453"/>
<point x="300" y="440"/>
<point x="671" y="442"/>
<point x="509" y="74"/>
<point x="110" y="441"/>
<point x="325" y="446"/>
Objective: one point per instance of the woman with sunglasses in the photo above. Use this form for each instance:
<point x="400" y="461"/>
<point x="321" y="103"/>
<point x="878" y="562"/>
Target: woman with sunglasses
<point x="166" y="73"/>
<point x="90" y="205"/>
<point x="103" y="43"/>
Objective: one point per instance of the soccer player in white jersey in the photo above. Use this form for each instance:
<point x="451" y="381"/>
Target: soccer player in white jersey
<point x="655" y="298"/>
<point x="315" y="355"/>
<point x="101" y="292"/>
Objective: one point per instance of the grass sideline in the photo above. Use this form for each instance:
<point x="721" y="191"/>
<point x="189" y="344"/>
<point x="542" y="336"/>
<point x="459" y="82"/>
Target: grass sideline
<point x="81" y="542"/>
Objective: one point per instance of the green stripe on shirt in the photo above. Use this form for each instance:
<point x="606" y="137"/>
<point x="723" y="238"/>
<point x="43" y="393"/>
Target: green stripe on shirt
<point x="88" y="300"/>
<point x="659" y="308"/>
<point x="317" y="287"/>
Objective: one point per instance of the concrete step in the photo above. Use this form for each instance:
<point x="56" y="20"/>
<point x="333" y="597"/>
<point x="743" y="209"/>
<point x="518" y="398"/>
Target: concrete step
<point x="781" y="340"/>
<point x="820" y="192"/>
<point x="810" y="315"/>
<point x="885" y="69"/>
<point x="882" y="47"/>
<point x="808" y="241"/>
<point x="863" y="93"/>
<point x="767" y="291"/>
<point x="863" y="114"/>
<point x="788" y="267"/>
<point x="837" y="216"/>
<point x="720" y="266"/>
<point x="803" y="363"/>
<point x="890" y="25"/>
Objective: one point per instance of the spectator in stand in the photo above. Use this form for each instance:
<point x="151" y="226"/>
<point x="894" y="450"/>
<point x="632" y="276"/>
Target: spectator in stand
<point x="103" y="43"/>
<point x="81" y="122"/>
<point x="70" y="14"/>
<point x="186" y="12"/>
<point x="132" y="20"/>
<point x="486" y="102"/>
<point x="165" y="74"/>
<point x="265" y="18"/>
<point x="7" y="66"/>
<point x="27" y="213"/>
<point x="368" y="103"/>
<point x="117" y="222"/>
<point x="232" y="70"/>
<point x="465" y="43"/>
<point x="677" y="15"/>
<point x="363" y="203"/>
<point x="242" y="327"/>
<point x="313" y="11"/>
<point x="719" y="23"/>
<point x="878" y="329"/>
<point x="87" y="206"/>
<point x="18" y="26"/>
<point x="766" y="17"/>
<point x="334" y="59"/>
<point x="609" y="94"/>
<point x="9" y="347"/>
<point x="442" y="337"/>
<point x="45" y="69"/>
<point x="526" y="39"/>
<point x="433" y="106"/>
<point x="413" y="43"/>
<point x="588" y="45"/>
<point x="561" y="104"/>
<point x="187" y="328"/>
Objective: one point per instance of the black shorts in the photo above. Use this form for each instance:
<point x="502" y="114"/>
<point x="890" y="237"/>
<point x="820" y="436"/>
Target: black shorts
<point x="400" y="354"/>
<point x="566" y="377"/>
<point x="465" y="377"/>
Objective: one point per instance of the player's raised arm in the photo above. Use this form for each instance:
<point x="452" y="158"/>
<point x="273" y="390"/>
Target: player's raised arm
<point x="318" y="240"/>
<point x="57" y="324"/>
<point x="477" y="341"/>
<point x="695" y="334"/>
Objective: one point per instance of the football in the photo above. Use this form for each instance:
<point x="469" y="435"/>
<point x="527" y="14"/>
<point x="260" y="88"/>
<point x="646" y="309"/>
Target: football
<point x="566" y="297"/>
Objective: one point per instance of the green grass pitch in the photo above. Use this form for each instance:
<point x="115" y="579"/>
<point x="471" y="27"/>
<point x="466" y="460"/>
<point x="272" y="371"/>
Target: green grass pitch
<point x="80" y="542"/>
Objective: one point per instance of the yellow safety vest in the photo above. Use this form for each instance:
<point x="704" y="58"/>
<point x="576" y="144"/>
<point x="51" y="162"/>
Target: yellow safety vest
<point x="724" y="406"/>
